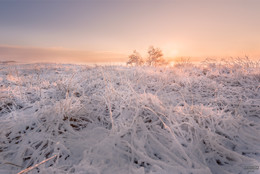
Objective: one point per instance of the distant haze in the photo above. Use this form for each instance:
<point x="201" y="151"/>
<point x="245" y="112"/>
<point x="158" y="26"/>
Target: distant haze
<point x="109" y="30"/>
<point x="59" y="55"/>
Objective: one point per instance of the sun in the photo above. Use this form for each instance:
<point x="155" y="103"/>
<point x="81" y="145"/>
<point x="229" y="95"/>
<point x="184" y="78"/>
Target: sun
<point x="171" y="50"/>
<point x="171" y="53"/>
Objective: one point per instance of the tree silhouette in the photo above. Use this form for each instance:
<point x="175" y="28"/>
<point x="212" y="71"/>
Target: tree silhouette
<point x="135" y="59"/>
<point x="155" y="57"/>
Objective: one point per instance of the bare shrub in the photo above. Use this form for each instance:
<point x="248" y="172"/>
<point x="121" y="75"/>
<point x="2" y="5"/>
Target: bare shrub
<point x="135" y="59"/>
<point x="155" y="57"/>
<point x="182" y="62"/>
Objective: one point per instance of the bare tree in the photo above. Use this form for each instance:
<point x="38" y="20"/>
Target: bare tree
<point x="135" y="59"/>
<point x="155" y="57"/>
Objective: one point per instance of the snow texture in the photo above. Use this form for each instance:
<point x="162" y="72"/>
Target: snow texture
<point x="143" y="120"/>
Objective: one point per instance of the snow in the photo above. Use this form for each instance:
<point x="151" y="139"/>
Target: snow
<point x="116" y="119"/>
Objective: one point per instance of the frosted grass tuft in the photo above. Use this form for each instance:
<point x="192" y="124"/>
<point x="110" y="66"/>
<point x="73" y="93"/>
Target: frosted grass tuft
<point x="144" y="120"/>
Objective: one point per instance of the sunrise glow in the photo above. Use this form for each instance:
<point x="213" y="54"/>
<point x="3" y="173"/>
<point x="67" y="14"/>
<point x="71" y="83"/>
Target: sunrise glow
<point x="108" y="31"/>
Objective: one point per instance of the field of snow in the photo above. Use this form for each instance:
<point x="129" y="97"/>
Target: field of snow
<point x="130" y="120"/>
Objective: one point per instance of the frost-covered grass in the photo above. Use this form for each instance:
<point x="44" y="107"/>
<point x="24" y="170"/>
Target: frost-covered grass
<point x="115" y="119"/>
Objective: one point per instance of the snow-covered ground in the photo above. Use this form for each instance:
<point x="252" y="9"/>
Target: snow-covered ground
<point x="124" y="120"/>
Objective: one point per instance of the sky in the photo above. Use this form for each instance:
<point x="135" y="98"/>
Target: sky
<point x="109" y="30"/>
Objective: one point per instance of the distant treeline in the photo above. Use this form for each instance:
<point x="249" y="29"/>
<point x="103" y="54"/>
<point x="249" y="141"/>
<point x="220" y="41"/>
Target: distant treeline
<point x="8" y="61"/>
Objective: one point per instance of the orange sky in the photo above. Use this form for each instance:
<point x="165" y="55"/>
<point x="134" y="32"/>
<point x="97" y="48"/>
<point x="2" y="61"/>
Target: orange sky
<point x="58" y="55"/>
<point x="109" y="30"/>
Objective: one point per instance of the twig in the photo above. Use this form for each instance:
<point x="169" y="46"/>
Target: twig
<point x="30" y="168"/>
<point x="13" y="164"/>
